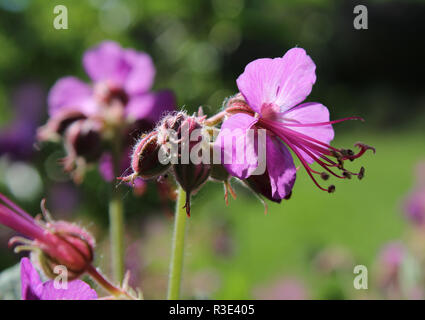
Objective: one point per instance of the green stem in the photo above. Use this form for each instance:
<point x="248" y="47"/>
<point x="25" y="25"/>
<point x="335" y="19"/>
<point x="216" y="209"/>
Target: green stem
<point x="116" y="220"/>
<point x="177" y="250"/>
<point x="116" y="232"/>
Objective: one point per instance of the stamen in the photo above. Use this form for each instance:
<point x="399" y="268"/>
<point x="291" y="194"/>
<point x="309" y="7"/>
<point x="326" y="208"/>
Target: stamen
<point x="19" y="249"/>
<point x="20" y="240"/>
<point x="15" y="207"/>
<point x="361" y="173"/>
<point x="324" y="176"/>
<point x="347" y="174"/>
<point x="318" y="124"/>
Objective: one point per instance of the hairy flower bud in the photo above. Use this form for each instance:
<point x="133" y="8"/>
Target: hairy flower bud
<point x="145" y="159"/>
<point x="69" y="246"/>
<point x="191" y="145"/>
<point x="83" y="139"/>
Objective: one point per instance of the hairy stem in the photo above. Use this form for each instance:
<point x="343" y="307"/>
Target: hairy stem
<point x="177" y="250"/>
<point x="107" y="285"/>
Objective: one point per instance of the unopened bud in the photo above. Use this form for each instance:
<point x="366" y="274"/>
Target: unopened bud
<point x="145" y="158"/>
<point x="189" y="175"/>
<point x="83" y="139"/>
<point x="69" y="246"/>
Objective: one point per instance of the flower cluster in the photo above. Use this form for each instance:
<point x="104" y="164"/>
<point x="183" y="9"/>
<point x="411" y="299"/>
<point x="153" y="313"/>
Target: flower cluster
<point x="94" y="120"/>
<point x="259" y="127"/>
<point x="254" y="139"/>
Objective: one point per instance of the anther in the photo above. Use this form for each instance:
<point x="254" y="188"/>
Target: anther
<point x="361" y="173"/>
<point x="331" y="188"/>
<point x="347" y="174"/>
<point x="324" y="176"/>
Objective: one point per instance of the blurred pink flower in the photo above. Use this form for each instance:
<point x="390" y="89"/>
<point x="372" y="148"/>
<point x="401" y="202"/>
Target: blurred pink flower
<point x="117" y="103"/>
<point x="414" y="205"/>
<point x="18" y="137"/>
<point x="283" y="289"/>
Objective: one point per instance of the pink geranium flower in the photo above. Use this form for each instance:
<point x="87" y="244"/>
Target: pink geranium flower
<point x="118" y="76"/>
<point x="271" y="96"/>
<point x="33" y="288"/>
<point x="118" y="104"/>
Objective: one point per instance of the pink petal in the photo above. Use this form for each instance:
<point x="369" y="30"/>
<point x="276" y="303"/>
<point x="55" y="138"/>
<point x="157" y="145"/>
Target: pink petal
<point x="283" y="82"/>
<point x="106" y="167"/>
<point x="69" y="92"/>
<point x="142" y="74"/>
<point x="151" y="106"/>
<point x="280" y="167"/>
<point x="123" y="68"/>
<point x="238" y="149"/>
<point x="76" y="290"/>
<point x="311" y="112"/>
<point x="30" y="281"/>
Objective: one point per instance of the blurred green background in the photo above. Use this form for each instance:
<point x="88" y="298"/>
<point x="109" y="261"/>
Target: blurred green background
<point x="199" y="49"/>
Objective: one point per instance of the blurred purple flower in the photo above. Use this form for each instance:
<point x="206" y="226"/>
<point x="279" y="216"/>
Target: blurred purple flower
<point x="120" y="77"/>
<point x="118" y="101"/>
<point x="18" y="137"/>
<point x="389" y="264"/>
<point x="283" y="289"/>
<point x="414" y="205"/>
<point x="64" y="199"/>
<point x="271" y="93"/>
<point x="391" y="255"/>
<point x="33" y="288"/>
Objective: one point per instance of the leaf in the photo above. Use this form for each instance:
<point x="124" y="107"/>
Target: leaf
<point x="10" y="283"/>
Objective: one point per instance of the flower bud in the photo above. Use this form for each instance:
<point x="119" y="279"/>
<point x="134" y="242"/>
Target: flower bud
<point x="67" y="245"/>
<point x="145" y="158"/>
<point x="236" y="104"/>
<point x="83" y="139"/>
<point x="57" y="125"/>
<point x="191" y="170"/>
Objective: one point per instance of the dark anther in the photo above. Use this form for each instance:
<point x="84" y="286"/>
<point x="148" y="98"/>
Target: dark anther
<point x="361" y="173"/>
<point x="331" y="188"/>
<point x="324" y="176"/>
<point x="347" y="152"/>
<point x="347" y="174"/>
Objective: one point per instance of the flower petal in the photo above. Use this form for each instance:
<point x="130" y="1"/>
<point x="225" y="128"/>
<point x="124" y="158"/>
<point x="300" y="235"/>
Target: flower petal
<point x="283" y="82"/>
<point x="72" y="93"/>
<point x="74" y="290"/>
<point x="30" y="281"/>
<point x="123" y="68"/>
<point x="311" y="112"/>
<point x="236" y="146"/>
<point x="280" y="167"/>
<point x="151" y="106"/>
<point x="142" y="74"/>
